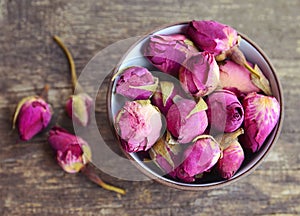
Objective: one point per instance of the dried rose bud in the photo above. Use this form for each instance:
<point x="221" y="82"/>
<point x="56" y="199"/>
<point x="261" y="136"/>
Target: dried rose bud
<point x="225" y="113"/>
<point x="167" y="52"/>
<point x="78" y="108"/>
<point x="32" y="115"/>
<point x="199" y="74"/>
<point x="261" y="116"/>
<point x="165" y="153"/>
<point x="139" y="125"/>
<point x="187" y="119"/>
<point x="165" y="95"/>
<point x="198" y="158"/>
<point x="231" y="161"/>
<point x="232" y="154"/>
<point x="212" y="36"/>
<point x="136" y="83"/>
<point x="236" y="76"/>
<point x="72" y="152"/>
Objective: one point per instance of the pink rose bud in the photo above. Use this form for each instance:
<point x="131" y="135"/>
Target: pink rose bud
<point x="231" y="161"/>
<point x="232" y="154"/>
<point x="139" y="125"/>
<point x="198" y="158"/>
<point x="212" y="36"/>
<point x="199" y="74"/>
<point x="233" y="75"/>
<point x="136" y="83"/>
<point x="32" y="115"/>
<point x="165" y="154"/>
<point x="165" y="95"/>
<point x="225" y="112"/>
<point x="78" y="108"/>
<point x="72" y="152"/>
<point x="187" y="119"/>
<point x="261" y="116"/>
<point x="167" y="52"/>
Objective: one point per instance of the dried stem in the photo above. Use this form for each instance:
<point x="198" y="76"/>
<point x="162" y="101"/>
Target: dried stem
<point x="89" y="171"/>
<point x="70" y="59"/>
<point x="45" y="91"/>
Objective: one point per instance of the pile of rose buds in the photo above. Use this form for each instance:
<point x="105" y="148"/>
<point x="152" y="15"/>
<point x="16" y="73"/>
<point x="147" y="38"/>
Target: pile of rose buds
<point x="219" y="109"/>
<point x="33" y="115"/>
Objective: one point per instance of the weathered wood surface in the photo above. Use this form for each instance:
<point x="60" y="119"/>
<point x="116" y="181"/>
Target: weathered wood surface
<point x="31" y="182"/>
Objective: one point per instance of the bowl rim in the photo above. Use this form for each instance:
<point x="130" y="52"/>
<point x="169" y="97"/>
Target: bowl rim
<point x="196" y="187"/>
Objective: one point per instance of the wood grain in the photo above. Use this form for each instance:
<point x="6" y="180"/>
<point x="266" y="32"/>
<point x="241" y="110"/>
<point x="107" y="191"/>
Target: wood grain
<point x="31" y="182"/>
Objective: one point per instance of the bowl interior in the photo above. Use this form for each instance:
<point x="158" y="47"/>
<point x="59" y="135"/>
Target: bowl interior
<point x="135" y="57"/>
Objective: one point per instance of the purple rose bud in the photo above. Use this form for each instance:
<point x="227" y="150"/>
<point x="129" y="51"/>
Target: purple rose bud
<point x="167" y="52"/>
<point x="212" y="36"/>
<point x="232" y="154"/>
<point x="225" y="113"/>
<point x="165" y="153"/>
<point x="32" y="115"/>
<point x="236" y="76"/>
<point x="136" y="83"/>
<point x="72" y="152"/>
<point x="198" y="158"/>
<point x="78" y="108"/>
<point x="186" y="119"/>
<point x="200" y="74"/>
<point x="139" y="125"/>
<point x="261" y="116"/>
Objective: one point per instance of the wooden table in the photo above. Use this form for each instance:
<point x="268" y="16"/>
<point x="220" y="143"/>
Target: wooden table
<point x="31" y="182"/>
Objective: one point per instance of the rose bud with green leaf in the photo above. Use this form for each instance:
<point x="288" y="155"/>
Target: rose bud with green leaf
<point x="198" y="158"/>
<point x="78" y="106"/>
<point x="187" y="119"/>
<point x="32" y="115"/>
<point x="165" y="95"/>
<point x="167" y="52"/>
<point x="225" y="112"/>
<point x="73" y="154"/>
<point x="212" y="36"/>
<point x="199" y="74"/>
<point x="139" y="125"/>
<point x="233" y="75"/>
<point x="232" y="154"/>
<point x="166" y="154"/>
<point x="222" y="41"/>
<point x="136" y="83"/>
<point x="261" y="116"/>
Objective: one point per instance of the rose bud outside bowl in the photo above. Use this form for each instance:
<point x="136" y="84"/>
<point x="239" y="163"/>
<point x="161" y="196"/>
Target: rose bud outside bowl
<point x="135" y="57"/>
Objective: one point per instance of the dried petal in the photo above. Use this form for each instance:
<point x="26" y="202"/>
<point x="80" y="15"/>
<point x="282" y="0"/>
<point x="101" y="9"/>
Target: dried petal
<point x="139" y="125"/>
<point x="186" y="119"/>
<point x="136" y="83"/>
<point x="261" y="116"/>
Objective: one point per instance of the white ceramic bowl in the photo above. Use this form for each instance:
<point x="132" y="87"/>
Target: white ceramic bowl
<point x="135" y="57"/>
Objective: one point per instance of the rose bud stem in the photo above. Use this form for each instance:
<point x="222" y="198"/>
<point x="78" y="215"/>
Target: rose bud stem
<point x="238" y="57"/>
<point x="71" y="63"/>
<point x="78" y="106"/>
<point x="89" y="171"/>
